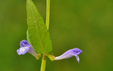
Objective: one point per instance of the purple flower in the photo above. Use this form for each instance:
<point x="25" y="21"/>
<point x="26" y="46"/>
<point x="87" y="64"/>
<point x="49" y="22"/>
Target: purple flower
<point x="72" y="52"/>
<point x="26" y="47"/>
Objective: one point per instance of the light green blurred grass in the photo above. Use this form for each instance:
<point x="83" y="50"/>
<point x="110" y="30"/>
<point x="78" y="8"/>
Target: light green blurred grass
<point x="87" y="25"/>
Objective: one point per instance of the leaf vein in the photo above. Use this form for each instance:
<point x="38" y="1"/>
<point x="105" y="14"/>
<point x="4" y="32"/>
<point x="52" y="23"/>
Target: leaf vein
<point x="37" y="28"/>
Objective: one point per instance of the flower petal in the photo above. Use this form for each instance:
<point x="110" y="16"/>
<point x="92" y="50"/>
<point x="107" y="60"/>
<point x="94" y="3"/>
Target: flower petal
<point x="22" y="50"/>
<point x="77" y="58"/>
<point x="76" y="51"/>
<point x="24" y="43"/>
<point x="26" y="47"/>
<point x="70" y="53"/>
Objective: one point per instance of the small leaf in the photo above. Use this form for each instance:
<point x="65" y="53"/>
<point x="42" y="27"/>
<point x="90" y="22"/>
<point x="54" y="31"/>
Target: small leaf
<point x="51" y="57"/>
<point x="37" y="33"/>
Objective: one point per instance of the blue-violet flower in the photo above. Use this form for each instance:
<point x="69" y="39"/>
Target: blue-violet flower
<point x="26" y="47"/>
<point x="72" y="52"/>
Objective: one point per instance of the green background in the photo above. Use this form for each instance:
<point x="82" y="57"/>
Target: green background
<point x="86" y="24"/>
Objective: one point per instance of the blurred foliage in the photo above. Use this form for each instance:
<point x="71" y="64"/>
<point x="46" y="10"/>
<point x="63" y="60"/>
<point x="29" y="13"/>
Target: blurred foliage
<point x="86" y="24"/>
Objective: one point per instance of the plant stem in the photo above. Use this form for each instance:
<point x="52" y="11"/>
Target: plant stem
<point x="47" y="13"/>
<point x="43" y="65"/>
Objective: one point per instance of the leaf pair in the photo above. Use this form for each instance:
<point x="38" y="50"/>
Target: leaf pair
<point x="37" y="33"/>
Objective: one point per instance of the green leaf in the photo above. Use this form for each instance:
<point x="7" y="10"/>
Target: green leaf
<point x="37" y="33"/>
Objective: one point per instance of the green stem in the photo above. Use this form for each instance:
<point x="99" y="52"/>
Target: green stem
<point x="47" y="13"/>
<point x="43" y="65"/>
